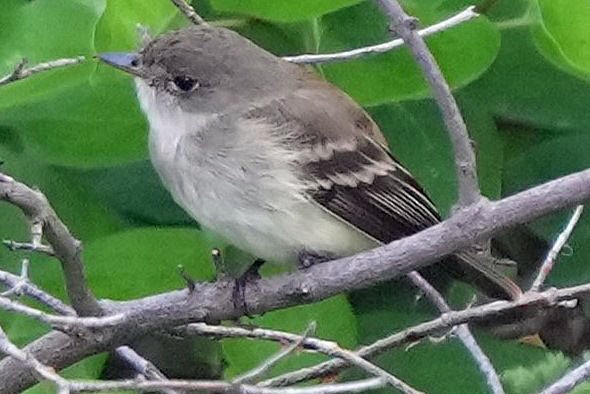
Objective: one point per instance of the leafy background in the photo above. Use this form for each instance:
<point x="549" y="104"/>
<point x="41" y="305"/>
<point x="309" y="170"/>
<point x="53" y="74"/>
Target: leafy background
<point x="520" y="74"/>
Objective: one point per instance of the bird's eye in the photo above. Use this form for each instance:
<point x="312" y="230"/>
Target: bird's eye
<point x="186" y="83"/>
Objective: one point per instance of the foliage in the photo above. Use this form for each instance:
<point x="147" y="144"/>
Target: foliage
<point x="521" y="76"/>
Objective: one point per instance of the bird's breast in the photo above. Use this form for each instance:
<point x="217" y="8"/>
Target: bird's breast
<point x="245" y="188"/>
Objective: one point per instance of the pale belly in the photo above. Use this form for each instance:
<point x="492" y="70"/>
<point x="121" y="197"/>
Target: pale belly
<point x="261" y="228"/>
<point x="262" y="215"/>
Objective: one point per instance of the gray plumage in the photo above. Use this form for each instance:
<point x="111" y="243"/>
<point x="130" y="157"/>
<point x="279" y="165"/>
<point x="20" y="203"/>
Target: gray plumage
<point x="272" y="158"/>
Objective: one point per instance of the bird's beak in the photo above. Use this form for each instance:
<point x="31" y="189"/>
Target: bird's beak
<point x="127" y="62"/>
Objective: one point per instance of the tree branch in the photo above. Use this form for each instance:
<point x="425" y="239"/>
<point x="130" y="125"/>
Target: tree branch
<point x="144" y="367"/>
<point x="21" y="72"/>
<point x="570" y="380"/>
<point x="463" y="333"/>
<point x="559" y="243"/>
<point x="404" y="26"/>
<point x="464" y="16"/>
<point x="189" y="12"/>
<point x="224" y="387"/>
<point x="42" y="371"/>
<point x="213" y="302"/>
<point x="66" y="248"/>
<point x="61" y="321"/>
<point x="31" y="290"/>
<point x="445" y="321"/>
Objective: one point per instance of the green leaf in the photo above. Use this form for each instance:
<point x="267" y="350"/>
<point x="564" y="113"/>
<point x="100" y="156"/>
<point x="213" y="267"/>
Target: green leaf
<point x="40" y="31"/>
<point x="425" y="365"/>
<point x="144" y="261"/>
<point x="562" y="34"/>
<point x="335" y="322"/>
<point x="527" y="166"/>
<point x="532" y="378"/>
<point x="78" y="120"/>
<point x="117" y="28"/>
<point x="91" y="124"/>
<point x="418" y="138"/>
<point x="281" y="10"/>
<point x="124" y="189"/>
<point x="522" y="88"/>
<point x="463" y="53"/>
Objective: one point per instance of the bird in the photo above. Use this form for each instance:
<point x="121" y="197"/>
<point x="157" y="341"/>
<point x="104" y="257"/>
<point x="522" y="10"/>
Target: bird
<point x="274" y="159"/>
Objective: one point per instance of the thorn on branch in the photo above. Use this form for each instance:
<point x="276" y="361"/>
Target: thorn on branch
<point x="188" y="280"/>
<point x="219" y="263"/>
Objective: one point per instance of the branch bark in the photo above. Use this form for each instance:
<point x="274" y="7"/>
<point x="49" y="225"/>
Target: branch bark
<point x="213" y="302"/>
<point x="66" y="248"/>
<point x="464" y="16"/>
<point x="404" y="26"/>
<point x="22" y="72"/>
<point x="463" y="333"/>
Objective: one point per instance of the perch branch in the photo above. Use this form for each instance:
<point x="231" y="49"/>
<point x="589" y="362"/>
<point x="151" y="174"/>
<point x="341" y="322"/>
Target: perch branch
<point x="214" y="301"/>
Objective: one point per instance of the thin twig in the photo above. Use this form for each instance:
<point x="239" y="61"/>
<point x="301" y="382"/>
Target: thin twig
<point x="464" y="16"/>
<point x="43" y="372"/>
<point x="404" y="26"/>
<point x="444" y="322"/>
<point x="142" y="366"/>
<point x="260" y="370"/>
<point x="570" y="380"/>
<point x="87" y="322"/>
<point x="21" y="72"/>
<point x="560" y="242"/>
<point x="319" y="345"/>
<point x="13" y="246"/>
<point x="221" y="386"/>
<point x="189" y="12"/>
<point x="170" y="386"/>
<point x="23" y="280"/>
<point x="463" y="333"/>
<point x="67" y="248"/>
<point x="29" y="289"/>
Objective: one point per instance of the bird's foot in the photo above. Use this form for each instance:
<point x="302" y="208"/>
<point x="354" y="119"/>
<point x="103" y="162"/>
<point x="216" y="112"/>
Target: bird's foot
<point x="251" y="275"/>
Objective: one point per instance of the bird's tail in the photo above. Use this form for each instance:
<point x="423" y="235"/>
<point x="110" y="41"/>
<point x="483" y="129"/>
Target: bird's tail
<point x="479" y="271"/>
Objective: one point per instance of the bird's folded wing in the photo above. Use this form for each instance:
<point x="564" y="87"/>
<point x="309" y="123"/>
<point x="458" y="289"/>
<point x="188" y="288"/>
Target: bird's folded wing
<point x="346" y="165"/>
<point x="349" y="171"/>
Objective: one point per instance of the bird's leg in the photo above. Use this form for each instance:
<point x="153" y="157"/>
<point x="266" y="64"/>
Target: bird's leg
<point x="306" y="259"/>
<point x="249" y="276"/>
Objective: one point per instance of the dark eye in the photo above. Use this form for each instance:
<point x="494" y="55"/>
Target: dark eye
<point x="185" y="83"/>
